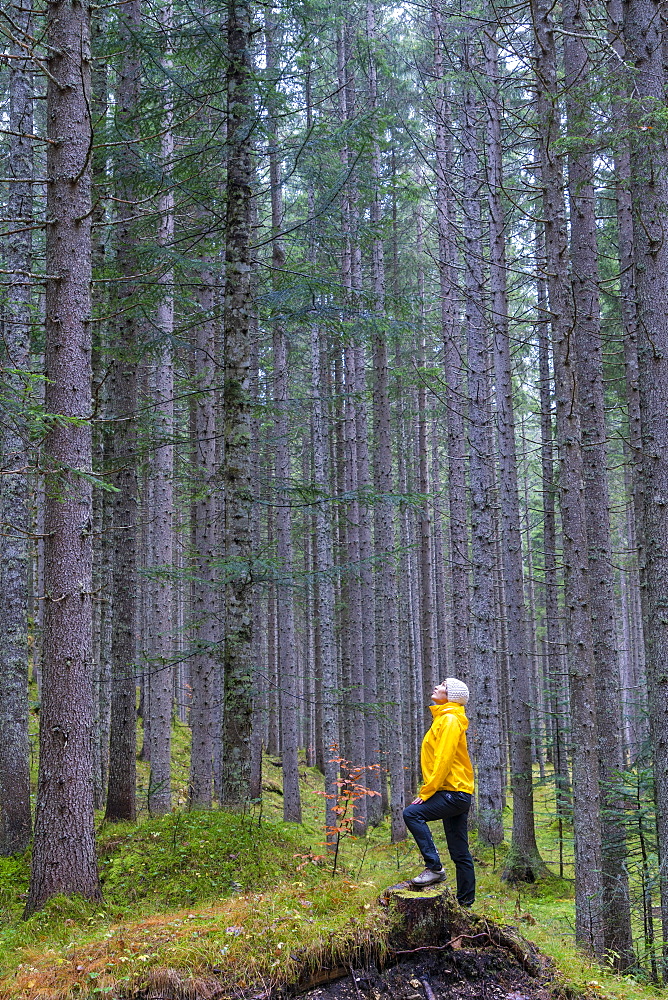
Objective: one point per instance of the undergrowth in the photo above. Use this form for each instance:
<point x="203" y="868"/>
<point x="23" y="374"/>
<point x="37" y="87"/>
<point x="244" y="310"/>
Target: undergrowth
<point x="248" y="899"/>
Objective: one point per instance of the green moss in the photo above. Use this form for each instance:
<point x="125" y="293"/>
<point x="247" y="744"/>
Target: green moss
<point x="244" y="898"/>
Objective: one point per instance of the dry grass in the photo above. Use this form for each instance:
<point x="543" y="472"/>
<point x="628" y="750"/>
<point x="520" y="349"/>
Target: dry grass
<point x="251" y="939"/>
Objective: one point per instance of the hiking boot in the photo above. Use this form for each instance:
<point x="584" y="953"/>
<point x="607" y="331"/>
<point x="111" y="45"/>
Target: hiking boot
<point x="427" y="878"/>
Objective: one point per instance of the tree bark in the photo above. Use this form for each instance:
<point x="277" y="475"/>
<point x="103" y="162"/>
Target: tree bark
<point x="287" y="652"/>
<point x="160" y="555"/>
<point x="649" y="190"/>
<point x="453" y="366"/>
<point x="484" y="662"/>
<point x="553" y="641"/>
<point x="440" y="596"/>
<point x="63" y="859"/>
<point x="586" y="813"/>
<point x="426" y="590"/>
<point x="524" y="863"/>
<point x="121" y="792"/>
<point x="324" y="589"/>
<point x="589" y="374"/>
<point x="15" y="824"/>
<point x="205" y="627"/>
<point x="237" y="655"/>
<point x="372" y="735"/>
<point x="387" y="614"/>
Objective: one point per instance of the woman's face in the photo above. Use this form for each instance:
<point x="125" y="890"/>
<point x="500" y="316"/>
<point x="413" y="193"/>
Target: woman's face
<point x="440" y="694"/>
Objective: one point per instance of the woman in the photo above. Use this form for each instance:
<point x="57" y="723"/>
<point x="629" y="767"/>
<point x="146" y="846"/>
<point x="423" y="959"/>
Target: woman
<point x="447" y="790"/>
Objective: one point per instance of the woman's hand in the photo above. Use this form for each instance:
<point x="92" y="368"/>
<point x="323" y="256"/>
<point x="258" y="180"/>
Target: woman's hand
<point x="417" y="801"/>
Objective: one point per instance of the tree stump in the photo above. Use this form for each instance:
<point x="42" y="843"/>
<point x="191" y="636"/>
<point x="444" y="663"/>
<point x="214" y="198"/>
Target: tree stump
<point x="422" y="918"/>
<point x="431" y="919"/>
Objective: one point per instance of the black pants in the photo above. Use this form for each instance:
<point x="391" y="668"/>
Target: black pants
<point x="452" y="808"/>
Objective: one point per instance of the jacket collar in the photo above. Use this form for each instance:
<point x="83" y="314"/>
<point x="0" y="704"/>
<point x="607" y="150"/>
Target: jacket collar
<point x="449" y="708"/>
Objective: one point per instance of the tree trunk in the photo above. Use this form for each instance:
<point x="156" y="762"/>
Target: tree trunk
<point x="524" y="863"/>
<point x="205" y="628"/>
<point x="629" y="314"/>
<point x="440" y="596"/>
<point x="287" y="652"/>
<point x="14" y="443"/>
<point x="368" y="632"/>
<point x="372" y="735"/>
<point x="63" y="859"/>
<point x="553" y="642"/>
<point x="160" y="553"/>
<point x="484" y="665"/>
<point x="586" y="814"/>
<point x="589" y="373"/>
<point x="325" y="589"/>
<point x="386" y="588"/>
<point x="121" y="791"/>
<point x="649" y="189"/>
<point x="426" y="590"/>
<point x="387" y="614"/>
<point x="452" y="364"/>
<point x="237" y="656"/>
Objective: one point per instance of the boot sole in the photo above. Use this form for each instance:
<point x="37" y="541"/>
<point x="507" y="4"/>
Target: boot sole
<point x="426" y="885"/>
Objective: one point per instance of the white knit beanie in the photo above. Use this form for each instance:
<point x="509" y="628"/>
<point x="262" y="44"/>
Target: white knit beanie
<point x="457" y="690"/>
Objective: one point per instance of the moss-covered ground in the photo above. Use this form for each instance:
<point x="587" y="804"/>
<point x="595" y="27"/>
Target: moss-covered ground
<point x="249" y="899"/>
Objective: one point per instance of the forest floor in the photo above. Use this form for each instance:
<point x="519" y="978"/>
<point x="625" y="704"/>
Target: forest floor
<point x="463" y="975"/>
<point x="213" y="904"/>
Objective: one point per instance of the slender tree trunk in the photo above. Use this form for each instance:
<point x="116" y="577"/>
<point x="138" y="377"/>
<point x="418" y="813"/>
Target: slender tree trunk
<point x="411" y="667"/>
<point x="649" y="189"/>
<point x="453" y="365"/>
<point x="161" y="682"/>
<point x="352" y="639"/>
<point x="14" y="444"/>
<point x="287" y="661"/>
<point x="387" y="636"/>
<point x="273" y="720"/>
<point x="325" y="588"/>
<point x="121" y="791"/>
<point x="354" y="667"/>
<point x="440" y="598"/>
<point x="102" y="500"/>
<point x="553" y="642"/>
<point x="368" y="632"/>
<point x="259" y="632"/>
<point x="204" y="594"/>
<point x="589" y="373"/>
<point x="287" y="652"/>
<point x="629" y="313"/>
<point x="372" y="735"/>
<point x="63" y="859"/>
<point x="586" y="813"/>
<point x="524" y="862"/>
<point x="237" y="657"/>
<point x="426" y="591"/>
<point x="484" y="665"/>
<point x="386" y="589"/>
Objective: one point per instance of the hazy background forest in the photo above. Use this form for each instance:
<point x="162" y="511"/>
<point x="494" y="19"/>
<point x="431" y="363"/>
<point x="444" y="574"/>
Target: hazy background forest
<point x="334" y="363"/>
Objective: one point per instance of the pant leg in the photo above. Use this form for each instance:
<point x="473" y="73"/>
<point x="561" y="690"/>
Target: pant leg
<point x="416" y="818"/>
<point x="456" y="835"/>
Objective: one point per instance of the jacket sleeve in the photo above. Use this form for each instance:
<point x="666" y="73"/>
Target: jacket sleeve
<point x="448" y="738"/>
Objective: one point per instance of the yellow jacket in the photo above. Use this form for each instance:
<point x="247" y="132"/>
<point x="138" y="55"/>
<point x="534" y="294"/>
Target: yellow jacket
<point x="446" y="765"/>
